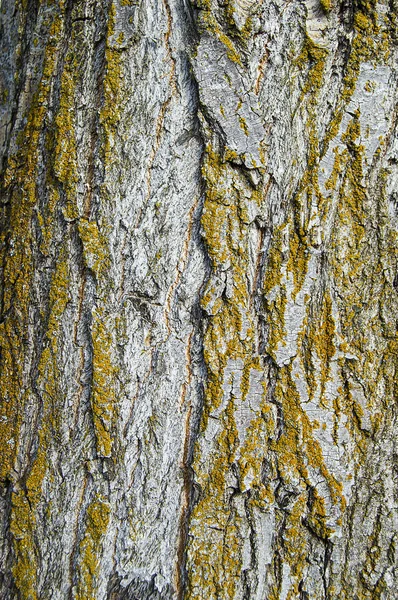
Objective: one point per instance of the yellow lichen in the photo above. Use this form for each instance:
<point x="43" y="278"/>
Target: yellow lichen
<point x="110" y="112"/>
<point x="224" y="28"/>
<point x="103" y="398"/>
<point x="90" y="550"/>
<point x="18" y="265"/>
<point x="215" y="554"/>
<point x="95" y="247"/>
<point x="65" y="158"/>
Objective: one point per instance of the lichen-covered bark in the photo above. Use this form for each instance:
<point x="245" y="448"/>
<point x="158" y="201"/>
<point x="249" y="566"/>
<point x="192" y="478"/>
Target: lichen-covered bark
<point x="198" y="328"/>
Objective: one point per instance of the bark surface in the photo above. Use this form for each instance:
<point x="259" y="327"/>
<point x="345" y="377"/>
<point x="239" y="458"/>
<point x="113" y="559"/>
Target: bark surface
<point x="198" y="307"/>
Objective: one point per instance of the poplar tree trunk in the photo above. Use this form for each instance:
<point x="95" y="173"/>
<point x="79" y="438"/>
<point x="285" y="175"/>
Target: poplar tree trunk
<point x="198" y="310"/>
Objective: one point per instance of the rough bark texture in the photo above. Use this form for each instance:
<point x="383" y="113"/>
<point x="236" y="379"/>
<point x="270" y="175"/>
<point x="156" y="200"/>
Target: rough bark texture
<point x="198" y="328"/>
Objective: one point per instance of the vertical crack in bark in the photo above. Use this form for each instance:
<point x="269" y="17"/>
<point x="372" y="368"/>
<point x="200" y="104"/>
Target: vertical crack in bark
<point x="260" y="70"/>
<point x="181" y="265"/>
<point x="181" y="575"/>
<point x="74" y="555"/>
<point x="173" y="79"/>
<point x="95" y="178"/>
<point x="152" y="156"/>
<point x="195" y="340"/>
<point x="162" y="114"/>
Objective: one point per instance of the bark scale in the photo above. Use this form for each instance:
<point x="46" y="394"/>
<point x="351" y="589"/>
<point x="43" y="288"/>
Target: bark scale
<point x="198" y="328"/>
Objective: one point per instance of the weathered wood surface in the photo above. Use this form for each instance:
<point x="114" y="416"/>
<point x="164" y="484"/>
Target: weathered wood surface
<point x="198" y="311"/>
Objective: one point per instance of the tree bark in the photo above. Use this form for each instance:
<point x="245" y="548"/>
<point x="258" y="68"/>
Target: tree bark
<point x="198" y="310"/>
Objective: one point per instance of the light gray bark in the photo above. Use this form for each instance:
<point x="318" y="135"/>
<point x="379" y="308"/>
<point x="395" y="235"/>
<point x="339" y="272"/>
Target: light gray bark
<point x="198" y="318"/>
